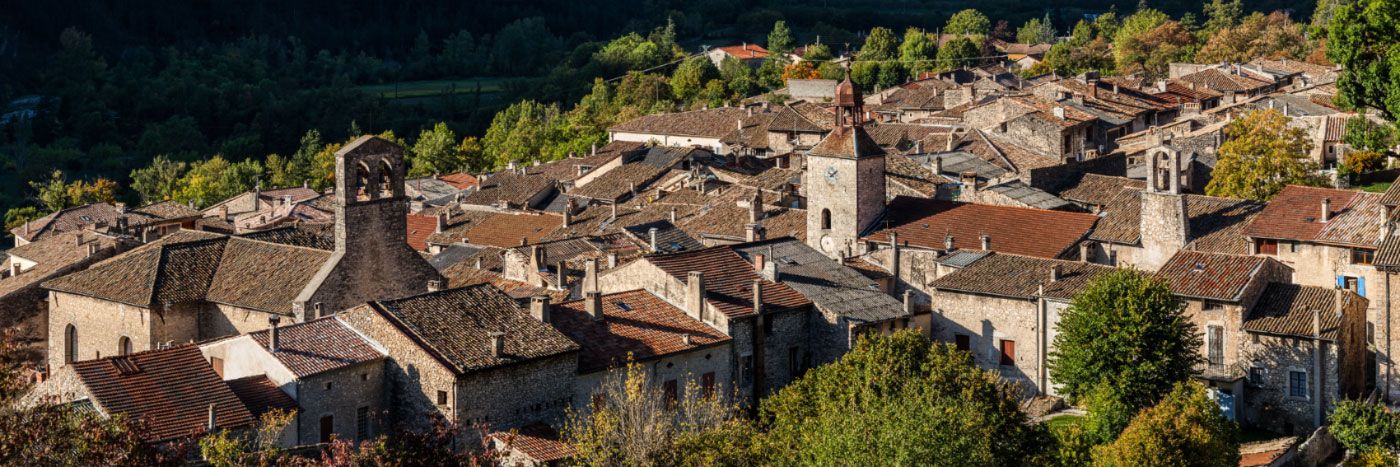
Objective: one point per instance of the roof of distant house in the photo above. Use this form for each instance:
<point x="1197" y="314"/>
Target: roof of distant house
<point x="1022" y="277"/>
<point x="514" y="188"/>
<point x="538" y="441"/>
<point x="745" y="51"/>
<point x="728" y="280"/>
<point x="170" y="209"/>
<point x="1287" y="309"/>
<point x="172" y="389"/>
<point x="1024" y="231"/>
<point x="53" y="255"/>
<point x="1216" y="224"/>
<point x="456" y="326"/>
<point x="831" y="286"/>
<point x="320" y="345"/>
<point x="460" y="181"/>
<point x="636" y="325"/>
<point x="707" y="123"/>
<point x="1295" y="213"/>
<point x="1210" y="275"/>
<point x="78" y="218"/>
<point x="1099" y="190"/>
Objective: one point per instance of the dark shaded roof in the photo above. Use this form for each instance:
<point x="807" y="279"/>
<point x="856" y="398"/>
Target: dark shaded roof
<point x="669" y="238"/>
<point x="636" y="324"/>
<point x="1210" y="275"/>
<point x="538" y="441"/>
<point x="514" y="188"/>
<point x="728" y="280"/>
<point x="451" y="255"/>
<point x="849" y="142"/>
<point x="1216" y="224"/>
<point x="77" y="218"/>
<point x="1287" y="309"/>
<point x="1021" y="277"/>
<point x="1217" y="80"/>
<point x="455" y="325"/>
<point x="430" y="187"/>
<point x="318" y="236"/>
<point x="1095" y="189"/>
<point x="1296" y="212"/>
<point x="170" y="209"/>
<point x="260" y="395"/>
<point x="664" y="156"/>
<point x="568" y="167"/>
<point x="53" y="255"/>
<point x="320" y="345"/>
<point x="1025" y="231"/>
<point x="1027" y="195"/>
<point x="170" y="388"/>
<point x="905" y="172"/>
<point x="833" y="287"/>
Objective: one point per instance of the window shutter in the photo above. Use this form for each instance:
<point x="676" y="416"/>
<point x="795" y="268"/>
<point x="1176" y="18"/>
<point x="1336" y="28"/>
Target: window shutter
<point x="1361" y="286"/>
<point x="1341" y="281"/>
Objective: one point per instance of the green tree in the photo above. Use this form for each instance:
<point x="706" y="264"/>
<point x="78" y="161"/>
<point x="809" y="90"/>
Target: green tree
<point x="892" y="74"/>
<point x="57" y="193"/>
<point x="459" y="57"/>
<point x="818" y="53"/>
<point x="1222" y="14"/>
<point x="1261" y="156"/>
<point x="690" y="77"/>
<point x="770" y="75"/>
<point x="1274" y="35"/>
<point x="865" y="74"/>
<point x="1362" y="134"/>
<point x="1127" y="330"/>
<point x="968" y="21"/>
<point x="1363" y="39"/>
<point x="1151" y="52"/>
<point x="958" y="53"/>
<point x="1186" y="428"/>
<point x="1140" y="23"/>
<point x="780" y="41"/>
<point x="880" y="45"/>
<point x="917" y="47"/>
<point x="158" y="181"/>
<point x="900" y="400"/>
<point x="1365" y="426"/>
<point x="435" y="152"/>
<point x="1036" y="31"/>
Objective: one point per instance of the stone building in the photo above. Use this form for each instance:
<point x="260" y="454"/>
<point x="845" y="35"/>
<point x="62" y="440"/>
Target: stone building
<point x="845" y="180"/>
<point x="194" y="285"/>
<point x="1005" y="308"/>
<point x="335" y="375"/>
<point x="1041" y="124"/>
<point x="23" y="305"/>
<point x="472" y="355"/>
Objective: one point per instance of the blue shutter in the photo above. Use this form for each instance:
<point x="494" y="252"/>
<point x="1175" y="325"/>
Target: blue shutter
<point x="1341" y="281"/>
<point x="1361" y="286"/>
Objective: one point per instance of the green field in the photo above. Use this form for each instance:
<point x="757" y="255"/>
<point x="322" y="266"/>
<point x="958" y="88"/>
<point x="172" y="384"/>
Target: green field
<point x="1376" y="187"/>
<point x="435" y="88"/>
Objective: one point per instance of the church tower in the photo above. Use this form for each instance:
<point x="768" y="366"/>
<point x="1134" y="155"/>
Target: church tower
<point x="845" y="179"/>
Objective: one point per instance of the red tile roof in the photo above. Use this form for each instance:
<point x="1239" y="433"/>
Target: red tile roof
<point x="536" y="440"/>
<point x="1287" y="309"/>
<point x="636" y="324"/>
<point x="505" y="230"/>
<point x="460" y="181"/>
<point x="320" y="345"/>
<point x="1295" y="213"/>
<point x="170" y="388"/>
<point x="746" y="51"/>
<point x="420" y="227"/>
<point x="1023" y="231"/>
<point x="261" y="395"/>
<point x="1210" y="275"/>
<point x="728" y="280"/>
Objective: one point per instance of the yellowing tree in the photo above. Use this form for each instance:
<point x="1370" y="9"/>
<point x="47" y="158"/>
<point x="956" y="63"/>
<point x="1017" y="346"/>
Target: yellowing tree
<point x="1263" y="155"/>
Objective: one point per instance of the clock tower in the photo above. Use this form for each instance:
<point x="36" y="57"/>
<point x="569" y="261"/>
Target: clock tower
<point x="845" y="179"/>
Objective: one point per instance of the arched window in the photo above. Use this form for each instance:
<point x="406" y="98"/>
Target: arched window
<point x="70" y="344"/>
<point x="124" y="345"/>
<point x="826" y="219"/>
<point x="362" y="189"/>
<point x="386" y="178"/>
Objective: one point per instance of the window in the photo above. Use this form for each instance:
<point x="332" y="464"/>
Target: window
<point x="1292" y="247"/>
<point x="767" y="325"/>
<point x="794" y="366"/>
<point x="707" y="385"/>
<point x="328" y="385"/>
<point x="1008" y="352"/>
<point x="1362" y="255"/>
<point x="1212" y="305"/>
<point x="746" y="368"/>
<point x="669" y="389"/>
<point x="364" y="376"/>
<point x="362" y="423"/>
<point x="1297" y="384"/>
<point x="1268" y="247"/>
<point x="124" y="345"/>
<point x="963" y="341"/>
<point x="1256" y="375"/>
<point x="442" y="397"/>
<point x="70" y="344"/>
<point x="826" y="219"/>
<point x="218" y="364"/>
<point x="327" y="427"/>
<point x="1215" y="346"/>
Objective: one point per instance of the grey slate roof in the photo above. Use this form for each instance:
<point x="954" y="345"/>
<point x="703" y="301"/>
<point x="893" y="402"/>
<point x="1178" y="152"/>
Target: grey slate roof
<point x="832" y="286"/>
<point x="669" y="238"/>
<point x="957" y="162"/>
<point x="1028" y="195"/>
<point x="428" y="188"/>
<point x="452" y="255"/>
<point x="963" y="258"/>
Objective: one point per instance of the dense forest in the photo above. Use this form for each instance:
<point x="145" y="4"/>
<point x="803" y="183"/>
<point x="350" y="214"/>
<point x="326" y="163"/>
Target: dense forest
<point x="139" y="101"/>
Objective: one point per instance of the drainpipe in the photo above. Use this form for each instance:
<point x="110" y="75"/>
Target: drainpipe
<point x="1388" y="366"/>
<point x="1043" y="320"/>
<point x="1317" y="361"/>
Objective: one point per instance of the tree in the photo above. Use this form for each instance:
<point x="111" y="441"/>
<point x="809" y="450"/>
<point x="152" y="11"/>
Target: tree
<point x="865" y="74"/>
<point x="880" y="45"/>
<point x="800" y="70"/>
<point x="459" y="57"/>
<point x="1272" y="36"/>
<point x="818" y="53"/>
<point x="57" y="193"/>
<point x="1262" y="155"/>
<point x="900" y="400"/>
<point x="19" y="216"/>
<point x="892" y="74"/>
<point x="780" y="41"/>
<point x="1151" y="52"/>
<point x="435" y="152"/>
<point x="158" y="181"/>
<point x="1365" y="426"/>
<point x="1186" y="428"/>
<point x="1036" y="31"/>
<point x="770" y="75"/>
<point x="1222" y="14"/>
<point x="690" y="77"/>
<point x="1127" y="330"/>
<point x="958" y="53"/>
<point x="917" y="47"/>
<point x="968" y="21"/>
<point x="633" y="422"/>
<point x="1362" y="134"/>
<point x="1363" y="39"/>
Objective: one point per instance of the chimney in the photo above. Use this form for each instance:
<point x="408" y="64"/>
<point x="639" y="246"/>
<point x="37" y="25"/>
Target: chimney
<point x="511" y="165"/>
<point x="695" y="294"/>
<point x="272" y="338"/>
<point x="652" y="234"/>
<point x="756" y="207"/>
<point x="1055" y="273"/>
<point x="91" y="249"/>
<point x="223" y="213"/>
<point x="948" y="243"/>
<point x="590" y="275"/>
<point x="986" y="242"/>
<point x="568" y="217"/>
<point x="969" y="181"/>
<point x="14" y="268"/>
<point x="673" y="214"/>
<point x="614" y="211"/>
<point x="594" y="151"/>
<point x="1094" y="88"/>
<point x="753" y="232"/>
<point x="909" y="302"/>
<point x="498" y="343"/>
<point x="478" y="263"/>
<point x="287" y="200"/>
<point x="685" y="340"/>
<point x="1086" y="251"/>
<point x="1326" y="210"/>
<point x="938" y="163"/>
<point x="306" y="183"/>
<point x="632" y="188"/>
<point x="1059" y="112"/>
<point x="919" y="147"/>
<point x="1161" y="85"/>
<point x="441" y="222"/>
<point x="539" y="308"/>
<point x="759" y="261"/>
<point x="758" y="296"/>
<point x="894" y="255"/>
<point x="257" y="196"/>
<point x="434" y="285"/>
<point x="563" y="272"/>
<point x="213" y="417"/>
<point x="1078" y="98"/>
<point x="612" y="260"/>
<point x="593" y="305"/>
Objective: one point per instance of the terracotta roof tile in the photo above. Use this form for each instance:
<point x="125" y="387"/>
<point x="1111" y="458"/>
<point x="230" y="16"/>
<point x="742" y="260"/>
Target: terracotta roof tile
<point x="745" y="51"/>
<point x="513" y="188"/>
<point x="1099" y="190"/>
<point x="170" y="388"/>
<point x="460" y="181"/>
<point x="1210" y="275"/>
<point x="260" y="395"/>
<point x="1221" y="81"/>
<point x="1362" y="223"/>
<point x="1295" y="213"/>
<point x="1021" y="277"/>
<point x="455" y="325"/>
<point x="538" y="441"/>
<point x="1216" y="224"/>
<point x="1024" y="231"/>
<point x="320" y="345"/>
<point x="75" y="219"/>
<point x="280" y="271"/>
<point x="1287" y="309"/>
<point x="568" y="168"/>
<point x="53" y="255"/>
<point x="420" y="227"/>
<point x="846" y="141"/>
<point x="617" y="183"/>
<point x="728" y="280"/>
<point x="507" y="229"/>
<point x="636" y="324"/>
<point x="170" y="209"/>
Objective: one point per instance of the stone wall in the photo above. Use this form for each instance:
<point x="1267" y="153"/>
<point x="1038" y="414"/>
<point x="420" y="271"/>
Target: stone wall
<point x="342" y="394"/>
<point x="711" y="143"/>
<point x="1268" y="402"/>
<point x="687" y="369"/>
<point x="987" y="321"/>
<point x="101" y="324"/>
<point x="512" y="396"/>
<point x="1164" y="228"/>
<point x="412" y="377"/>
<point x="852" y="203"/>
<point x="1053" y="178"/>
<point x="375" y="263"/>
<point x="217" y="320"/>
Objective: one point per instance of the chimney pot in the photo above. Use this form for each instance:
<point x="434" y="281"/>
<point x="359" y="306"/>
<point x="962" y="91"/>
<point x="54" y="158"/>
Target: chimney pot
<point x="612" y="260"/>
<point x="498" y="343"/>
<point x="673" y="214"/>
<point x="593" y="305"/>
<point x="948" y="243"/>
<point x="686" y="340"/>
<point x="441" y="222"/>
<point x="594" y="150"/>
<point x="909" y="302"/>
<point x="695" y="294"/>
<point x="986" y="242"/>
<point x="478" y="263"/>
<point x="1326" y="210"/>
<point x="213" y="417"/>
<point x="652" y="233"/>
<point x="539" y="308"/>
<point x="272" y="337"/>
<point x="434" y="285"/>
<point x="1055" y="273"/>
<point x="758" y="296"/>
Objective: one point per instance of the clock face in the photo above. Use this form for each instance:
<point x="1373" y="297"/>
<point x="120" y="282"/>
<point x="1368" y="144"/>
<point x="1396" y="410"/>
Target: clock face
<point x="832" y="175"/>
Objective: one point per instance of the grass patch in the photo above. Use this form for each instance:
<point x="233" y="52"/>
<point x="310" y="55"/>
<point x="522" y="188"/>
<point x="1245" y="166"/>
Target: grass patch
<point x="1376" y="187"/>
<point x="1064" y="422"/>
<point x="435" y="87"/>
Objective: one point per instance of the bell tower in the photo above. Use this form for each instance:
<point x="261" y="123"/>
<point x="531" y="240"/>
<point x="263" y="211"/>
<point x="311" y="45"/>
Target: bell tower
<point x="845" y="179"/>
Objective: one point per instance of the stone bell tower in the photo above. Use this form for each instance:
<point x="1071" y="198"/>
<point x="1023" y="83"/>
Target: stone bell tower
<point x="372" y="259"/>
<point x="845" y="179"/>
